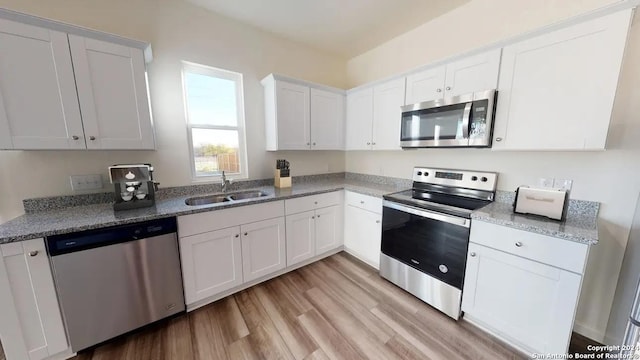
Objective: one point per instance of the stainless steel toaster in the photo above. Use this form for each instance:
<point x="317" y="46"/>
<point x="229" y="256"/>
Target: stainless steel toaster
<point x="550" y="203"/>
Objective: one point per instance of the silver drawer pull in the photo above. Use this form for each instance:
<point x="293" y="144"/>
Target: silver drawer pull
<point x="519" y="244"/>
<point x="34" y="253"/>
<point x="361" y="202"/>
<point x="377" y="221"/>
<point x="498" y="139"/>
<point x="472" y="254"/>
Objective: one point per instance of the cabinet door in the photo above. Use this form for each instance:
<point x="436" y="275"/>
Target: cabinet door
<point x="471" y="74"/>
<point x="528" y="302"/>
<point x="292" y="116"/>
<point x="556" y="90"/>
<point x="426" y="85"/>
<point x="363" y="235"/>
<point x="31" y="324"/>
<point x="387" y="100"/>
<point x="300" y="237"/>
<point x="211" y="263"/>
<point x="327" y="120"/>
<point x="329" y="230"/>
<point x="112" y="90"/>
<point x="263" y="248"/>
<point x="359" y="119"/>
<point x="38" y="99"/>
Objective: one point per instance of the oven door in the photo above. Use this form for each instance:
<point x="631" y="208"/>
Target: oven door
<point x="430" y="242"/>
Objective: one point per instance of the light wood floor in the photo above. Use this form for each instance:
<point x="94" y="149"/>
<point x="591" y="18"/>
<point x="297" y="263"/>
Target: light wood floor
<point x="337" y="308"/>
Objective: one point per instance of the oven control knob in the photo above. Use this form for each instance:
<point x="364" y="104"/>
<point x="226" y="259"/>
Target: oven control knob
<point x="474" y="178"/>
<point x="419" y="173"/>
<point x="483" y="179"/>
<point x="443" y="268"/>
<point x="426" y="174"/>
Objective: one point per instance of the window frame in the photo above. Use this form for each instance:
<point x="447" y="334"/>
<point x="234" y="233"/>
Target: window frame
<point x="189" y="67"/>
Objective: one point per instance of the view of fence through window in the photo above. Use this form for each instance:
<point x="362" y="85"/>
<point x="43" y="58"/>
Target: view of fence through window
<point x="213" y="110"/>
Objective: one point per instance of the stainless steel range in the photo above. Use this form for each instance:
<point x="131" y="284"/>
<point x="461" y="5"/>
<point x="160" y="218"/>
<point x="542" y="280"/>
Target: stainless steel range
<point x="425" y="233"/>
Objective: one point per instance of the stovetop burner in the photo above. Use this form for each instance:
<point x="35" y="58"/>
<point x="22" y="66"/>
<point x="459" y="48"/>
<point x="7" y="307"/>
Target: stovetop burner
<point x="453" y="192"/>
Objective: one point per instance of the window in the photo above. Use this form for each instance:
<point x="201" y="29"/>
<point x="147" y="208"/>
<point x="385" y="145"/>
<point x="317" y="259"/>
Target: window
<point x="215" y="121"/>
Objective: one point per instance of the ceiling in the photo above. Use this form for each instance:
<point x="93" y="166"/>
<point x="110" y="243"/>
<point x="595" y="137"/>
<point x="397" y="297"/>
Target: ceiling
<point x="344" y="27"/>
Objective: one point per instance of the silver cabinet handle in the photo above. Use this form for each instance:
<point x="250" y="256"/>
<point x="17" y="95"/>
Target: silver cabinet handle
<point x="92" y="138"/>
<point x="237" y="235"/>
<point x="34" y="253"/>
<point x="448" y="87"/>
<point x="377" y="221"/>
<point x="368" y="143"/>
<point x="318" y="216"/>
<point x="315" y="202"/>
<point x="245" y="234"/>
<point x="313" y="217"/>
<point x="361" y="202"/>
<point x="314" y="144"/>
<point x="373" y="143"/>
<point x="75" y="137"/>
<point x="518" y="244"/>
<point x="438" y="90"/>
<point x="472" y="254"/>
<point x="308" y="143"/>
<point x="498" y="139"/>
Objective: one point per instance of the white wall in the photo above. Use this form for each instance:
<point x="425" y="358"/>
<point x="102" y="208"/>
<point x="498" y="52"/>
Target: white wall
<point x="610" y="177"/>
<point x="177" y="31"/>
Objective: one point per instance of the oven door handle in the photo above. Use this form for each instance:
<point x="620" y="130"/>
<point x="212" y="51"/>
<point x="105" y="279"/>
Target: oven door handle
<point x="466" y="119"/>
<point x="454" y="220"/>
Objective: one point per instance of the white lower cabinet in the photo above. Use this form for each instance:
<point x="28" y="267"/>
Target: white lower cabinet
<point x="263" y="248"/>
<point x="328" y="229"/>
<point x="31" y="324"/>
<point x="312" y="233"/>
<point x="211" y="263"/>
<point x="363" y="227"/>
<point x="526" y="302"/>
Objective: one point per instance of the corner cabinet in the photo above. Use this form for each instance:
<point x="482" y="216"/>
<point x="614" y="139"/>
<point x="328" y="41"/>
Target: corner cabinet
<point x="314" y="226"/>
<point x="302" y="116"/>
<point x="512" y="273"/>
<point x="556" y="91"/>
<point x="90" y="94"/>
<point x="373" y="116"/>
<point x="31" y="326"/>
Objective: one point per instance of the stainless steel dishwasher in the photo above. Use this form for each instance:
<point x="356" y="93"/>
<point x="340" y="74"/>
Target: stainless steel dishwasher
<point x="111" y="281"/>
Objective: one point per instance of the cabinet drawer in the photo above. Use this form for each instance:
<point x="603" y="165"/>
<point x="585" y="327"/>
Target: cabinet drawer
<point x="218" y="219"/>
<point x="364" y="202"/>
<point x="312" y="202"/>
<point x="556" y="252"/>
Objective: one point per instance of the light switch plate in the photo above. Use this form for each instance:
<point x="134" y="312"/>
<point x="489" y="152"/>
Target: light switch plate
<point x="86" y="182"/>
<point x="563" y="184"/>
<point x="545" y="182"/>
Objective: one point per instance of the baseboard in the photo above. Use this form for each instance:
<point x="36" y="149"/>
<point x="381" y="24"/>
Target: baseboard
<point x="589" y="332"/>
<point x="209" y="300"/>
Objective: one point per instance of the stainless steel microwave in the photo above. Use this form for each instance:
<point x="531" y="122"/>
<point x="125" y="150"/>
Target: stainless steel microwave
<point x="459" y="121"/>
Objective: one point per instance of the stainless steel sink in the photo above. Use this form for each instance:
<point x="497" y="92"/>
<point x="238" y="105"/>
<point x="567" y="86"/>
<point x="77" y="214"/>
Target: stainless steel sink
<point x="246" y="195"/>
<point x="220" y="198"/>
<point x="206" y="200"/>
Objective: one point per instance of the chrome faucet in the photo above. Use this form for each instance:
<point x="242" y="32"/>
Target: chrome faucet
<point x="225" y="183"/>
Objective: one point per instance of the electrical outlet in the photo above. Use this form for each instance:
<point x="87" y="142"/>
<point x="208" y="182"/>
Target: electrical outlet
<point x="545" y="182"/>
<point x="563" y="184"/>
<point x="86" y="182"/>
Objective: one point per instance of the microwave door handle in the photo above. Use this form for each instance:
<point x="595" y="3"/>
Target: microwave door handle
<point x="466" y="119"/>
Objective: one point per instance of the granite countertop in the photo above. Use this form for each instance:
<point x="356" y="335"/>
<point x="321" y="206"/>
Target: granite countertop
<point x="77" y="218"/>
<point x="580" y="225"/>
<point x="44" y="217"/>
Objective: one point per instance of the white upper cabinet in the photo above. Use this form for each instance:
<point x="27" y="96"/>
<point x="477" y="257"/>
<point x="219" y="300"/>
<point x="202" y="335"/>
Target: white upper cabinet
<point x="426" y="85"/>
<point x="292" y="116"/>
<point x="38" y="98"/>
<point x="556" y="90"/>
<point x="301" y="117"/>
<point x="373" y="116"/>
<point x="388" y="98"/>
<point x="359" y="119"/>
<point x="63" y="91"/>
<point x="112" y="90"/>
<point x="468" y="75"/>
<point x="327" y="120"/>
